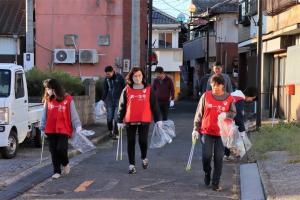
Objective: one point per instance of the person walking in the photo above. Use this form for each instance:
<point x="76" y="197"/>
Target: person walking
<point x="164" y="90"/>
<point x="113" y="85"/>
<point x="240" y="98"/>
<point x="212" y="105"/>
<point x="59" y="119"/>
<point x="137" y="105"/>
<point x="217" y="69"/>
<point x="202" y="83"/>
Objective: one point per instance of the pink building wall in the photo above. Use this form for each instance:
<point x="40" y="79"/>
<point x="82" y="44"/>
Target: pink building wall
<point x="87" y="19"/>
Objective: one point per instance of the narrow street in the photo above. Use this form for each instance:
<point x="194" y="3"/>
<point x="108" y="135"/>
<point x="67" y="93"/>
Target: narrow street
<point x="100" y="176"/>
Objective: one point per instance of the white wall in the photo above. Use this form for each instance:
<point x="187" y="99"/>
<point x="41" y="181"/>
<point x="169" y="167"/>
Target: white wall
<point x="169" y="59"/>
<point x="254" y="27"/>
<point x="175" y="37"/>
<point x="9" y="46"/>
<point x="226" y="28"/>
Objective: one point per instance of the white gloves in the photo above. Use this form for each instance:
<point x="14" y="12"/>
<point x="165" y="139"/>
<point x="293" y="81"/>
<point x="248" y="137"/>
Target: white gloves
<point x="159" y="124"/>
<point x="195" y="135"/>
<point x="78" y="129"/>
<point x="172" y="103"/>
<point x="243" y="134"/>
<point x="120" y="125"/>
<point x="43" y="134"/>
<point x="222" y="116"/>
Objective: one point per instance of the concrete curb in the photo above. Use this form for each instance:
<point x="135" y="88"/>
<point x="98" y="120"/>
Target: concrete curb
<point x="266" y="184"/>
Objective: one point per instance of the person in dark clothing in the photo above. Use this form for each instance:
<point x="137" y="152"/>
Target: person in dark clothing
<point x="164" y="91"/>
<point x="217" y="69"/>
<point x="137" y="105"/>
<point x="240" y="99"/>
<point x="213" y="105"/>
<point x="113" y="85"/>
<point x="202" y="84"/>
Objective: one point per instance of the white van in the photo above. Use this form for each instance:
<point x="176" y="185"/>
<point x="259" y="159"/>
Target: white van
<point x="18" y="118"/>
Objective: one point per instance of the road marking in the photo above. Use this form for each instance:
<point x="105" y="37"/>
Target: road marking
<point x="143" y="187"/>
<point x="83" y="186"/>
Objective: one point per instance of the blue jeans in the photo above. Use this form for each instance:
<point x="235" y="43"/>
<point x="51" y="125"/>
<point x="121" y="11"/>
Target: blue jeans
<point x="212" y="145"/>
<point x="112" y="117"/>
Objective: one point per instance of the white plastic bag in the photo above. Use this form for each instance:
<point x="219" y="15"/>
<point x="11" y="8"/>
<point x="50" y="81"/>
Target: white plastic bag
<point x="87" y="132"/>
<point x="246" y="141"/>
<point x="81" y="143"/>
<point x="159" y="137"/>
<point x="228" y="132"/>
<point x="100" y="112"/>
<point x="240" y="147"/>
<point x="169" y="128"/>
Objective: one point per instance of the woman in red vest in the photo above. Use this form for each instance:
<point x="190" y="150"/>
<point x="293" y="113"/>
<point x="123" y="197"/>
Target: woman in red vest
<point x="137" y="105"/>
<point x="213" y="104"/>
<point x="58" y="121"/>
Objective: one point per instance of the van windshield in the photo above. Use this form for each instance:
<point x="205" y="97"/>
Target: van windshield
<point x="4" y="83"/>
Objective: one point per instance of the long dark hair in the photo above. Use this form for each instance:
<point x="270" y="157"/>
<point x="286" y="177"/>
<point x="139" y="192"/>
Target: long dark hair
<point x="56" y="87"/>
<point x="129" y="77"/>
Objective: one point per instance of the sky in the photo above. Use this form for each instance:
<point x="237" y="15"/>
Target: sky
<point x="173" y="7"/>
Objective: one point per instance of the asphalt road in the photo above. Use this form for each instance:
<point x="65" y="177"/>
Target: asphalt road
<point x="99" y="176"/>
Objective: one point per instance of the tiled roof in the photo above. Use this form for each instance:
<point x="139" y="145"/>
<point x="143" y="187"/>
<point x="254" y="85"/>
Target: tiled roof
<point x="12" y="17"/>
<point x="217" y="6"/>
<point x="160" y="17"/>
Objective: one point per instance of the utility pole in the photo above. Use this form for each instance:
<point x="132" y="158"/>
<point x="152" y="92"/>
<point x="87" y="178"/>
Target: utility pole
<point x="207" y="41"/>
<point x="149" y="40"/>
<point x="135" y="33"/>
<point x="29" y="26"/>
<point x="258" y="65"/>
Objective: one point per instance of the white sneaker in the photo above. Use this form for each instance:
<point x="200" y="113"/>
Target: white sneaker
<point x="66" y="169"/>
<point x="56" y="176"/>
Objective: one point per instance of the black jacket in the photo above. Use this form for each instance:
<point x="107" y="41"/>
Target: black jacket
<point x="112" y="89"/>
<point x="123" y="106"/>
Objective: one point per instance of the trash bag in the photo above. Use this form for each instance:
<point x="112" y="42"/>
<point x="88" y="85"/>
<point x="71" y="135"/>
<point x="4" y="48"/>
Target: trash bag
<point x="100" y="112"/>
<point x="240" y="147"/>
<point x="159" y="137"/>
<point x="81" y="143"/>
<point x="169" y="128"/>
<point x="246" y="141"/>
<point x="228" y="132"/>
<point x="87" y="132"/>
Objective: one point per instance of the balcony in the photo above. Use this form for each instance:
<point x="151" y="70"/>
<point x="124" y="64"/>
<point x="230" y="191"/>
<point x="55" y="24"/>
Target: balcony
<point x="274" y="7"/>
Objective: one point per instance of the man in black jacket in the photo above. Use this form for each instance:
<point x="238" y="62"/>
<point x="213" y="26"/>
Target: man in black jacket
<point x="113" y="86"/>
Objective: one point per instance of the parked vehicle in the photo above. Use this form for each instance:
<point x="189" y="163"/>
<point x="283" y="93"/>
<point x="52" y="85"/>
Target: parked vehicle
<point x="19" y="119"/>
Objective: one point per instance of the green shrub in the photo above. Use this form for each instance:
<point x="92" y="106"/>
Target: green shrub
<point x="35" y="78"/>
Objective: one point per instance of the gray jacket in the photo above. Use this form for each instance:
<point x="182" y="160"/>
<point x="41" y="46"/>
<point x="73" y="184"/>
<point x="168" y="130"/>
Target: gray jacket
<point x="74" y="117"/>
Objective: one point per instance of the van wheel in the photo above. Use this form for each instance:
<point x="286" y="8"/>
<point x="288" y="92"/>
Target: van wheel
<point x="11" y="150"/>
<point x="37" y="139"/>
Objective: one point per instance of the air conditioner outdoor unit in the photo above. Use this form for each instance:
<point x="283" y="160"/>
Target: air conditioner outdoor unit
<point x="64" y="56"/>
<point x="88" y="56"/>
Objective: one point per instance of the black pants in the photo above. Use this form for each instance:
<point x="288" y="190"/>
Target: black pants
<point x="143" y="141"/>
<point x="112" y="119"/>
<point x="58" y="147"/>
<point x="227" y="152"/>
<point x="212" y="145"/>
<point x="164" y="109"/>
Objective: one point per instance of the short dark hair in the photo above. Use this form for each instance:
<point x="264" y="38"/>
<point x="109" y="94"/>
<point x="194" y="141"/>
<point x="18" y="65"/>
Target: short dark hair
<point x="109" y="68"/>
<point x="159" y="70"/>
<point x="250" y="92"/>
<point x="217" y="64"/>
<point x="217" y="78"/>
<point x="129" y="77"/>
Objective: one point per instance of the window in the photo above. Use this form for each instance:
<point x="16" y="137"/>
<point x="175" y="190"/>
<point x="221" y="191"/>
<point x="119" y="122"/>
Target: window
<point x="4" y="83"/>
<point x="165" y="40"/>
<point x="19" y="85"/>
<point x="70" y="39"/>
<point x="244" y="12"/>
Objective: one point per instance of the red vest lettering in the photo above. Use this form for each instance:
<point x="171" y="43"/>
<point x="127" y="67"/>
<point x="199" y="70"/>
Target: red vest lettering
<point x="212" y="109"/>
<point x="138" y="105"/>
<point x="59" y="117"/>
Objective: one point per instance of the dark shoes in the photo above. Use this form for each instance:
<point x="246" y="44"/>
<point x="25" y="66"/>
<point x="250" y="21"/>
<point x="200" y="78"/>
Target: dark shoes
<point x="145" y="163"/>
<point x="132" y="169"/>
<point x="207" y="179"/>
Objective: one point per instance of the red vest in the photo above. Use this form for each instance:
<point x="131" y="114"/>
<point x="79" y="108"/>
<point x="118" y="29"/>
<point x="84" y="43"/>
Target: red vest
<point x="59" y="117"/>
<point x="212" y="109"/>
<point x="138" y="105"/>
